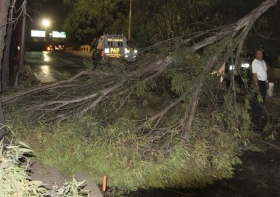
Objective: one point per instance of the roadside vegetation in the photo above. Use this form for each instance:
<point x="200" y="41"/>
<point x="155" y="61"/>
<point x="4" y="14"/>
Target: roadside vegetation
<point x="165" y="121"/>
<point x="120" y="138"/>
<point x="15" y="179"/>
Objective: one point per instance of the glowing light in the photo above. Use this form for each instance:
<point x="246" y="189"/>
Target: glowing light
<point x="46" y="56"/>
<point x="107" y="50"/>
<point x="115" y="40"/>
<point x="46" y="23"/>
<point x="245" y="65"/>
<point x="231" y="67"/>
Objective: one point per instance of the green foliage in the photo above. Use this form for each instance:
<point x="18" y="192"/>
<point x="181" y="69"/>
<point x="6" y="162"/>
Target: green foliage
<point x="160" y="20"/>
<point x="90" y="19"/>
<point x="117" y="139"/>
<point x="15" y="181"/>
<point x="70" y="189"/>
<point x="132" y="159"/>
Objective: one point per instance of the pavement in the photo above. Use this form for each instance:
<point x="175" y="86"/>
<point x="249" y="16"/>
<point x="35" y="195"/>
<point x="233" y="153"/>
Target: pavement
<point x="53" y="179"/>
<point x="45" y="77"/>
<point x="89" y="184"/>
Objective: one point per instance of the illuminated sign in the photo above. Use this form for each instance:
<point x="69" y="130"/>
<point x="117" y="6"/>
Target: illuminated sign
<point x="115" y="39"/>
<point x="114" y="55"/>
<point x="38" y="33"/>
<point x="112" y="50"/>
<point x="56" y="34"/>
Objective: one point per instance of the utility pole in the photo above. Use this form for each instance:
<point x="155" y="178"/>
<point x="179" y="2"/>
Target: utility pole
<point x="129" y="20"/>
<point x="22" y="44"/>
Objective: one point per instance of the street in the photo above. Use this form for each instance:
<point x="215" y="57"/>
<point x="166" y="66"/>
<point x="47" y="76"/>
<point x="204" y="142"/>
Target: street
<point x="49" y="66"/>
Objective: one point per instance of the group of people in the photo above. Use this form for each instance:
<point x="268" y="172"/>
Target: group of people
<point x="252" y="73"/>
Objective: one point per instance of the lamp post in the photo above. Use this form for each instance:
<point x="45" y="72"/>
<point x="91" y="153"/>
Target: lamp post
<point x="21" y="49"/>
<point x="129" y="21"/>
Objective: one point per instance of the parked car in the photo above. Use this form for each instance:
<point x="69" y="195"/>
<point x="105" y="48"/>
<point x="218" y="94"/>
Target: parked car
<point x="49" y="48"/>
<point x="59" y="47"/>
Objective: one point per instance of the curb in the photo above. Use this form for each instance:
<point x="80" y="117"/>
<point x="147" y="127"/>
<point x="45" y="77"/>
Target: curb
<point x="89" y="184"/>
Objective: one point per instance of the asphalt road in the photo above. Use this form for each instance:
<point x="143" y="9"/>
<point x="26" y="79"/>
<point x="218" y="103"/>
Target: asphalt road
<point x="50" y="66"/>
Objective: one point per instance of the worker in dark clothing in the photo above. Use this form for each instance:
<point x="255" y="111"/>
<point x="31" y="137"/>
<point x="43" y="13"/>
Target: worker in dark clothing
<point x="245" y="75"/>
<point x="229" y="70"/>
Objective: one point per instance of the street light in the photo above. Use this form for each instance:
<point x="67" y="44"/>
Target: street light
<point x="46" y="23"/>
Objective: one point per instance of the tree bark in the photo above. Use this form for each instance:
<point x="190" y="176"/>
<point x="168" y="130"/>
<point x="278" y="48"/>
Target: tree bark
<point x="6" y="58"/>
<point x="4" y="8"/>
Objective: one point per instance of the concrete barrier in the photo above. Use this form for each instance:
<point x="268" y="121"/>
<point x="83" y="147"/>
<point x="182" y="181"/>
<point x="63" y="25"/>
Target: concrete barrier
<point x="69" y="49"/>
<point x="85" y="48"/>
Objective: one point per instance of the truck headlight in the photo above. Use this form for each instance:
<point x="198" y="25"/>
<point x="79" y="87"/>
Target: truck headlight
<point x="231" y="67"/>
<point x="245" y="65"/>
<point x="106" y="50"/>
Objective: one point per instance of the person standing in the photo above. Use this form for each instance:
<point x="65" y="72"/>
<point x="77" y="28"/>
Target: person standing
<point x="259" y="70"/>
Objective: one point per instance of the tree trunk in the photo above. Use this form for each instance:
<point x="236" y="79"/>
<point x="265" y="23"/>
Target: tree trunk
<point x="4" y="8"/>
<point x="6" y="59"/>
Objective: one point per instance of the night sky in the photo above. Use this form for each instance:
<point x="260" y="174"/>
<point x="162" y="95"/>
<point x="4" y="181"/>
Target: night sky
<point x="54" y="10"/>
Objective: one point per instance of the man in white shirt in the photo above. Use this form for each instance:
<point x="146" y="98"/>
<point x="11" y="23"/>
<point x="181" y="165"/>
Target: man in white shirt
<point x="259" y="70"/>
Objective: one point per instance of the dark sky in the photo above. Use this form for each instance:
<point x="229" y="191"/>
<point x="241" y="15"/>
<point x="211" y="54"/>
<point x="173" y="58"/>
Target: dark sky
<point x="54" y="10"/>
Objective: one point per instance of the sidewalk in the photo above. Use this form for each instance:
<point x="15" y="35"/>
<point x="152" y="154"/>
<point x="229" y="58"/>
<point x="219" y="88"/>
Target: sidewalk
<point x="53" y="179"/>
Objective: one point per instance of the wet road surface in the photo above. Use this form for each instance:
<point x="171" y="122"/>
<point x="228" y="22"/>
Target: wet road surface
<point x="50" y="66"/>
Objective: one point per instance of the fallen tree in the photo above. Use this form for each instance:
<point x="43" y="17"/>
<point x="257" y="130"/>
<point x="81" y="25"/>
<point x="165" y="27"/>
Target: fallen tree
<point x="148" y="68"/>
<point x="186" y="134"/>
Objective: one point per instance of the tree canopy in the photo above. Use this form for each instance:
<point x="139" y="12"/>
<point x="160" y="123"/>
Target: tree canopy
<point x="90" y="19"/>
<point x="154" y="21"/>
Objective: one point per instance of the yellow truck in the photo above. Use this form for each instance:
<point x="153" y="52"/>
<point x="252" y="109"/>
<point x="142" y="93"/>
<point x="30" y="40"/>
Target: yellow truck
<point x="114" y="46"/>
